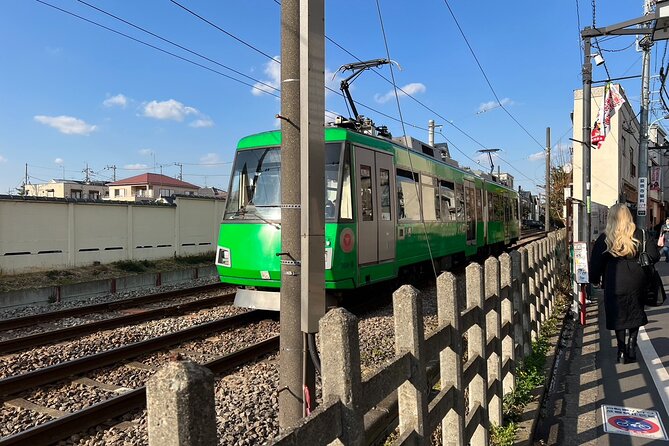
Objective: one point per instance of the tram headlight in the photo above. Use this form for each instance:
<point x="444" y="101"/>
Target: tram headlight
<point x="223" y="257"/>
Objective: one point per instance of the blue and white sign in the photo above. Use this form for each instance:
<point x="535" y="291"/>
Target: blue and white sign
<point x="633" y="422"/>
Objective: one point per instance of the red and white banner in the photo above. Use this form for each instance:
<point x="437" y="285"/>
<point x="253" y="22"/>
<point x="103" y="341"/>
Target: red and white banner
<point x="655" y="178"/>
<point x="612" y="101"/>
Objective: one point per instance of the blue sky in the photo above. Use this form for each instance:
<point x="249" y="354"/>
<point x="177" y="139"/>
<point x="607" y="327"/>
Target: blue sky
<point x="73" y="93"/>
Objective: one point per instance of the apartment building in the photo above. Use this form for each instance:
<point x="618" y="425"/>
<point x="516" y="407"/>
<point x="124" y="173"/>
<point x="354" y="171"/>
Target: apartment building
<point x="61" y="188"/>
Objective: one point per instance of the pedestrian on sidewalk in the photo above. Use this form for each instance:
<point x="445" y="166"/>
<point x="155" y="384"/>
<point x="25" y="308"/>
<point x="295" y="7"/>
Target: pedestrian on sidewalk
<point x="615" y="264"/>
<point x="664" y="236"/>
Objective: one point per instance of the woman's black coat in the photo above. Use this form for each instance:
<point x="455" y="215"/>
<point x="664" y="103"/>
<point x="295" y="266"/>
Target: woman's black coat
<point x="624" y="283"/>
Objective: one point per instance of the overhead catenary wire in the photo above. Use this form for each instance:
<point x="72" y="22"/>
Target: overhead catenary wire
<point x="195" y="53"/>
<point x="399" y="109"/>
<point x="185" y="59"/>
<point x="485" y="76"/>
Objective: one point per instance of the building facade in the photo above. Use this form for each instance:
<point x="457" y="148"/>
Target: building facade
<point x="58" y="188"/>
<point x="149" y="187"/>
<point x="614" y="164"/>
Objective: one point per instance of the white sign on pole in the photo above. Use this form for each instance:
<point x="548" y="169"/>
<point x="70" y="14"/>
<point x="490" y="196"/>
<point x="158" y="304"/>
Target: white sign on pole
<point x="633" y="422"/>
<point x="642" y="201"/>
<point x="581" y="262"/>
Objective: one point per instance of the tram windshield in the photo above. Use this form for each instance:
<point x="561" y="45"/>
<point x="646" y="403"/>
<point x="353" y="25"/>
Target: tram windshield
<point x="255" y="190"/>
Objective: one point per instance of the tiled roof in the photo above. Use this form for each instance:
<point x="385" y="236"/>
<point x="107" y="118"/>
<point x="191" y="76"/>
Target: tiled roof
<point x="153" y="179"/>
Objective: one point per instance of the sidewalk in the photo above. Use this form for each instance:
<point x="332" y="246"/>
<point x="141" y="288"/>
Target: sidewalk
<point x="590" y="378"/>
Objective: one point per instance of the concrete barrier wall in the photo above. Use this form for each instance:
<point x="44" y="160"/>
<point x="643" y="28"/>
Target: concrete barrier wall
<point x="56" y="234"/>
<point x="102" y="287"/>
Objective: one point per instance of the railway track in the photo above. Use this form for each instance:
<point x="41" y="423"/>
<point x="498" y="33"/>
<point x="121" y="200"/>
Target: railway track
<point x="18" y="383"/>
<point x="62" y="428"/>
<point x="26" y="321"/>
<point x="53" y="336"/>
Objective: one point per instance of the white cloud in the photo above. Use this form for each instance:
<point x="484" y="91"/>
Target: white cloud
<point x="411" y="89"/>
<point x="66" y="124"/>
<point x="59" y="161"/>
<point x="210" y="158"/>
<point x="3" y="159"/>
<point x="116" y="101"/>
<point x="169" y="109"/>
<point x="145" y="152"/>
<point x="273" y="72"/>
<point x="491" y="105"/>
<point x="537" y="156"/>
<point x="137" y="166"/>
<point x="202" y="123"/>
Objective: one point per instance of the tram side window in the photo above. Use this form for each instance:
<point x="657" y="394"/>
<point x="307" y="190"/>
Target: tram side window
<point x="447" y="199"/>
<point x="460" y="202"/>
<point x="346" y="206"/>
<point x="429" y="205"/>
<point x="366" y="193"/>
<point x="384" y="179"/>
<point x="408" y="205"/>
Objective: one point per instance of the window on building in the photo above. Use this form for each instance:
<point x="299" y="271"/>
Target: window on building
<point x="94" y="195"/>
<point x="49" y="193"/>
<point x="632" y="165"/>
<point x="75" y="194"/>
<point x="166" y="192"/>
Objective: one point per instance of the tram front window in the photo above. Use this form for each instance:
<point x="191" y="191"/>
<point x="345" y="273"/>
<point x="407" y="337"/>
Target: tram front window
<point x="255" y="190"/>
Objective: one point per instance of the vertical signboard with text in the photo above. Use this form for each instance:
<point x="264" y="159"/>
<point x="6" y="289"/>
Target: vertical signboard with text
<point x="643" y="197"/>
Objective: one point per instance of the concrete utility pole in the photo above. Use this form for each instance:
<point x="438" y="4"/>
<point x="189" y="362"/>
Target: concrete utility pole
<point x="430" y="132"/>
<point x="312" y="159"/>
<point x="547" y="224"/>
<point x="291" y="393"/>
<point x="113" y="168"/>
<point x="646" y="44"/>
<point x="587" y="142"/>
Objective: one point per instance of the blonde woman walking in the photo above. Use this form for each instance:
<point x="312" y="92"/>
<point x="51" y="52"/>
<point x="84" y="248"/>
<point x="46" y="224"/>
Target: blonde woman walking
<point x="615" y="264"/>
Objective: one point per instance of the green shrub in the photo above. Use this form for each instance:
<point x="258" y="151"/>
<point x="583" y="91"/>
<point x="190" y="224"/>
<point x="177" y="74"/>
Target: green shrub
<point x="131" y="265"/>
<point x="503" y="435"/>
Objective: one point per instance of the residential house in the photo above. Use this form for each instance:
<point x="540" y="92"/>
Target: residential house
<point x="149" y="187"/>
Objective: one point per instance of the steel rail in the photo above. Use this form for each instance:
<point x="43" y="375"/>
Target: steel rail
<point x="24" y="321"/>
<point x="61" y="428"/>
<point x="53" y="336"/>
<point x="18" y="383"/>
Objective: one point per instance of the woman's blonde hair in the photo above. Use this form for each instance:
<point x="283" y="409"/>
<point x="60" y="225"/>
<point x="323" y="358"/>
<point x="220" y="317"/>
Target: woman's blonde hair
<point x="620" y="241"/>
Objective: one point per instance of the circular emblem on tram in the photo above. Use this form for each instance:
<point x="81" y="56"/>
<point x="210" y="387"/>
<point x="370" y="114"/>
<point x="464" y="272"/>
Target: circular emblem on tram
<point x="346" y="240"/>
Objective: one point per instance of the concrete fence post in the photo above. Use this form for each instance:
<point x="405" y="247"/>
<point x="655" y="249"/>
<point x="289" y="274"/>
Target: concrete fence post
<point x="450" y="360"/>
<point x="476" y="346"/>
<point x="180" y="406"/>
<point x="507" y="320"/>
<point x="532" y="291"/>
<point x="493" y="323"/>
<point x="410" y="337"/>
<point x="526" y="297"/>
<point x="520" y="331"/>
<point x="544" y="278"/>
<point x="340" y="361"/>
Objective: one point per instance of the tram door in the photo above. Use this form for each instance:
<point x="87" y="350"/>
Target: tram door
<point x="470" y="212"/>
<point x="375" y="181"/>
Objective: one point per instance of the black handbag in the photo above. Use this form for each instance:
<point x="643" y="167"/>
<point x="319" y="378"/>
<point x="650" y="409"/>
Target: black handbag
<point x="654" y="294"/>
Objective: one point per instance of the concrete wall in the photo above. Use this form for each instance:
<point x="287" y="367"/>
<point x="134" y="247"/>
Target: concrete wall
<point x="53" y="234"/>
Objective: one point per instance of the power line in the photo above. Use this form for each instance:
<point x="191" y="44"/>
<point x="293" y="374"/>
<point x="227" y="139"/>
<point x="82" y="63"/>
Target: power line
<point x="485" y="76"/>
<point x="222" y="30"/>
<point x="156" y="48"/>
<point x="176" y="44"/>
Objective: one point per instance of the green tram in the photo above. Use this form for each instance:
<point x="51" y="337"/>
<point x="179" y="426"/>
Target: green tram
<point x="384" y="203"/>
